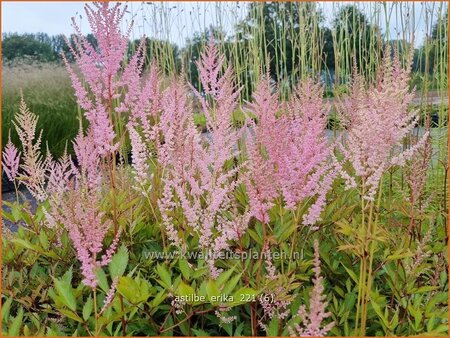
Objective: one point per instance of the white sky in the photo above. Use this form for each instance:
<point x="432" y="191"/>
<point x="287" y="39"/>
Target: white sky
<point x="180" y="19"/>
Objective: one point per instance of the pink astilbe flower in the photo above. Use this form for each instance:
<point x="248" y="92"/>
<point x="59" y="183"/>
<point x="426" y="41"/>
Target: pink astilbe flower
<point x="88" y="171"/>
<point x="11" y="160"/>
<point x="416" y="177"/>
<point x="100" y="69"/>
<point x="178" y="153"/>
<point x="79" y="213"/>
<point x="260" y="182"/>
<point x="106" y="79"/>
<point x="305" y="149"/>
<point x="140" y="155"/>
<point x="199" y="177"/>
<point x="377" y="119"/>
<point x="142" y="98"/>
<point x="60" y="173"/>
<point x="110" y="295"/>
<point x="311" y="325"/>
<point x="289" y="155"/>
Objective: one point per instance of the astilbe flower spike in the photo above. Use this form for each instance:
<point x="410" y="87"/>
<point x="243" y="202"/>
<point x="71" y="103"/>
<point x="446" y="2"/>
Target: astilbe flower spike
<point x="79" y="212"/>
<point x="197" y="179"/>
<point x="11" y="160"/>
<point x="34" y="167"/>
<point x="110" y="295"/>
<point x="311" y="325"/>
<point x="261" y="181"/>
<point x="102" y="69"/>
<point x="289" y="154"/>
<point x="377" y="119"/>
<point x="140" y="155"/>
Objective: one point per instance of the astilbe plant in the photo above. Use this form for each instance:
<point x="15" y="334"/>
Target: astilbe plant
<point x="87" y="227"/>
<point x="377" y="117"/>
<point x="200" y="178"/>
<point x="99" y="79"/>
<point x="75" y="192"/>
<point x="289" y="154"/>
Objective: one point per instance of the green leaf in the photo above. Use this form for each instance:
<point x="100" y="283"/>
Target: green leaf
<point x="399" y="254"/>
<point x="186" y="291"/>
<point x="159" y="298"/>
<point x="127" y="287"/>
<point x="43" y="239"/>
<point x="102" y="280"/>
<point x="351" y="274"/>
<point x="272" y="330"/>
<point x="65" y="292"/>
<point x="426" y="288"/>
<point x="30" y="246"/>
<point x="164" y="275"/>
<point x="239" y="329"/>
<point x="67" y="277"/>
<point x="349" y="302"/>
<point x="258" y="239"/>
<point x="71" y="315"/>
<point x="200" y="333"/>
<point x="16" y="212"/>
<point x="5" y="309"/>
<point x="87" y="308"/>
<point x="212" y="291"/>
<point x="118" y="262"/>
<point x="224" y="276"/>
<point x="23" y="243"/>
<point x="380" y="314"/>
<point x="14" y="329"/>
<point x="135" y="290"/>
<point x="229" y="287"/>
<point x="184" y="268"/>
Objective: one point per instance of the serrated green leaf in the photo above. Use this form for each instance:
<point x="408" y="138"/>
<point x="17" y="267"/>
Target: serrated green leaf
<point x="426" y="288"/>
<point x="184" y="268"/>
<point x="351" y="274"/>
<point x="102" y="280"/>
<point x="212" y="290"/>
<point x="200" y="333"/>
<point x="164" y="274"/>
<point x="43" y="239"/>
<point x="65" y="292"/>
<point x="119" y="262"/>
<point x="229" y="287"/>
<point x="185" y="290"/>
<point x="272" y="330"/>
<point x="224" y="276"/>
<point x="87" y="308"/>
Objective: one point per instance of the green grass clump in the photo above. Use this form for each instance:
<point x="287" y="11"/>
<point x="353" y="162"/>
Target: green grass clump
<point x="48" y="92"/>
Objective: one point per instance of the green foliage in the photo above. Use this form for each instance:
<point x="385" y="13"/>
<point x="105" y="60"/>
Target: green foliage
<point x="42" y="292"/>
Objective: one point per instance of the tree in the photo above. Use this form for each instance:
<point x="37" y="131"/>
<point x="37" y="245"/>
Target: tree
<point x="35" y="46"/>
